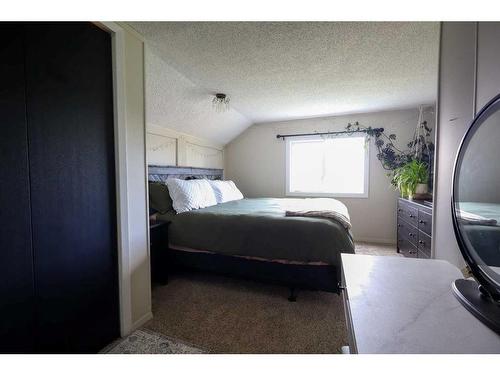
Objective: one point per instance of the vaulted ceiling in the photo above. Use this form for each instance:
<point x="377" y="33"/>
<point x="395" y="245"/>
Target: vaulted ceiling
<point x="280" y="71"/>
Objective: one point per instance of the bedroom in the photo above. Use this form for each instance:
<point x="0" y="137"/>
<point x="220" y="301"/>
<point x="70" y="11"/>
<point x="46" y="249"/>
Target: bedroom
<point x="396" y="91"/>
<point x="253" y="187"/>
<point x="282" y="136"/>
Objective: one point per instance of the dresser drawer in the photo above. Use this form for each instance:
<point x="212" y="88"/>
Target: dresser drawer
<point x="406" y="248"/>
<point x="407" y="231"/>
<point x="414" y="228"/>
<point x="408" y="212"/>
<point x="425" y="222"/>
<point x="424" y="243"/>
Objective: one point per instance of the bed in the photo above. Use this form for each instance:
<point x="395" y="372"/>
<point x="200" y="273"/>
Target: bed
<point x="484" y="237"/>
<point x="252" y="238"/>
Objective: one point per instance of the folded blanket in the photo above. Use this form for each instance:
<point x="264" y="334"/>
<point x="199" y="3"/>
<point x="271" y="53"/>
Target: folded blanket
<point x="327" y="208"/>
<point x="473" y="219"/>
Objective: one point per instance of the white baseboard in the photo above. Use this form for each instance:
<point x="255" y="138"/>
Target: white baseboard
<point x="382" y="241"/>
<point x="142" y="320"/>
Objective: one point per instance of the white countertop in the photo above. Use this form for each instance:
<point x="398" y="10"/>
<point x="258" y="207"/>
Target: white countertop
<point x="404" y="305"/>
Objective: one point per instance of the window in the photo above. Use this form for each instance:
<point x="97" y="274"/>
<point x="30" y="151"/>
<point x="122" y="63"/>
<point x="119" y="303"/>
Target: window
<point x="327" y="167"/>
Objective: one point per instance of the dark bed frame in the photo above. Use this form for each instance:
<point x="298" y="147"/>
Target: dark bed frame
<point x="295" y="276"/>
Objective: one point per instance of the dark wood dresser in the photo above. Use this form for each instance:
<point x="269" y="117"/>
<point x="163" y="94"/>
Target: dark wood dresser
<point x="414" y="228"/>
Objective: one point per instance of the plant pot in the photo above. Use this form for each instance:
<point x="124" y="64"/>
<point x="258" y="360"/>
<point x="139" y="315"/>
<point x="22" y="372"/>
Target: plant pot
<point x="422" y="189"/>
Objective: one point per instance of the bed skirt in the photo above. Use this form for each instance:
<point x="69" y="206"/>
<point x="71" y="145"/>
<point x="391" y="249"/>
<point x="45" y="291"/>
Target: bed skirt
<point x="301" y="276"/>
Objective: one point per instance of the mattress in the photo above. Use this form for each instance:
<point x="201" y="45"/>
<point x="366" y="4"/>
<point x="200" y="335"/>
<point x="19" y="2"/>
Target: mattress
<point x="257" y="228"/>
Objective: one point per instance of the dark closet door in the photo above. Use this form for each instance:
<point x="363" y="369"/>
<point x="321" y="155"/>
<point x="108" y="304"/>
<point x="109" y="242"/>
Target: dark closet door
<point x="73" y="200"/>
<point x="16" y="263"/>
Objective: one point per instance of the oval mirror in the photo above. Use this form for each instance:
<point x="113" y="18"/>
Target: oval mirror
<point x="476" y="214"/>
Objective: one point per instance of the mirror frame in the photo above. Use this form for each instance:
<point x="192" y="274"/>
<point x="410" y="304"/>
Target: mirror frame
<point x="482" y="277"/>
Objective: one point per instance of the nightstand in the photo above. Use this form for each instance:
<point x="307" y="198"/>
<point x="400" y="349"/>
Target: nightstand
<point x="158" y="238"/>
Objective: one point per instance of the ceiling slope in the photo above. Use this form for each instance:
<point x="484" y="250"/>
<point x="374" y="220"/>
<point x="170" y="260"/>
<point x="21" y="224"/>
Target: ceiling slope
<point x="174" y="102"/>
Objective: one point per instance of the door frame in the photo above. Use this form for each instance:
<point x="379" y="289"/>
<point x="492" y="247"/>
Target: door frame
<point x="123" y="197"/>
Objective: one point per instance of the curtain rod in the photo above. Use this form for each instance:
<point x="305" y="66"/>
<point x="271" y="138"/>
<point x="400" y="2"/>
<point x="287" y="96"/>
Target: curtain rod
<point x="329" y="133"/>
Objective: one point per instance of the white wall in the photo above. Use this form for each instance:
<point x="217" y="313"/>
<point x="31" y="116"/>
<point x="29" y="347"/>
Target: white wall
<point x="455" y="111"/>
<point x="256" y="162"/>
<point x="469" y="76"/>
<point x="140" y="280"/>
<point x="133" y="229"/>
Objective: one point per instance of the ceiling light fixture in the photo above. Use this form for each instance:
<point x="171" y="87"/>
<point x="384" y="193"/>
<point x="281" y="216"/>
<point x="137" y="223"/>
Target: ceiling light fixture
<point x="220" y="103"/>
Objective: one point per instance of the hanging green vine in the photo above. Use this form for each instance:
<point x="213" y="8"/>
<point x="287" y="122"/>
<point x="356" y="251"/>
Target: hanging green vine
<point x="420" y="148"/>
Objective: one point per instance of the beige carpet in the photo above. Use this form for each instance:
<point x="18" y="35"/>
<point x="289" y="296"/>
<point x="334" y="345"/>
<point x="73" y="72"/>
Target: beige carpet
<point x="225" y="315"/>
<point x="376" y="249"/>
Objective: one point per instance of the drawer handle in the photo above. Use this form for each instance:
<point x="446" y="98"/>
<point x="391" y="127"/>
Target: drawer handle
<point x="412" y="216"/>
<point x="399" y="209"/>
<point x="399" y="225"/>
<point x="410" y="234"/>
<point x="412" y="252"/>
<point x="421" y="222"/>
<point x="421" y="242"/>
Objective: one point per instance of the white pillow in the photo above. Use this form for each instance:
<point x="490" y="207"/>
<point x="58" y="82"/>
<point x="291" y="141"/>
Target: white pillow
<point x="189" y="195"/>
<point x="225" y="191"/>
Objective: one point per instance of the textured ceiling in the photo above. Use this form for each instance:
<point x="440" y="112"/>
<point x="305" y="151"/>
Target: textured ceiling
<point x="280" y="71"/>
<point x="174" y="102"/>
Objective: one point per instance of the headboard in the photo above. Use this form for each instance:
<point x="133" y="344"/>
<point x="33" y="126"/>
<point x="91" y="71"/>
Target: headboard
<point x="159" y="173"/>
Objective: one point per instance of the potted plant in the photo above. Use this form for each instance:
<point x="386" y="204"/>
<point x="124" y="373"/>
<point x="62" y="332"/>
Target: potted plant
<point x="411" y="178"/>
